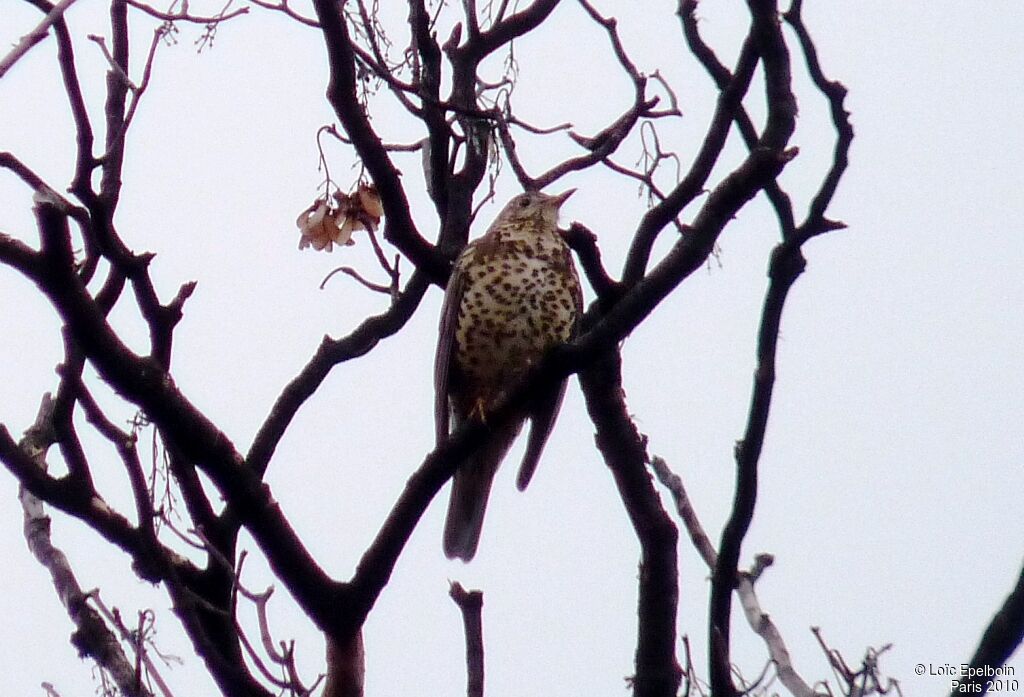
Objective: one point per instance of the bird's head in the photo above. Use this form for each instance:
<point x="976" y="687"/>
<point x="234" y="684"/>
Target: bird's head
<point x="533" y="205"/>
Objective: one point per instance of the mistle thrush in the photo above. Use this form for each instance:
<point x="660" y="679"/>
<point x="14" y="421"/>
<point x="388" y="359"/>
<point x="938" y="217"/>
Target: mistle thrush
<point x="512" y="295"/>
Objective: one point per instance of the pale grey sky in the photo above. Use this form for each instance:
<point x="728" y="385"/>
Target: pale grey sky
<point x="892" y="471"/>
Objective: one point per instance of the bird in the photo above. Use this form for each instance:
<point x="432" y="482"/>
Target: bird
<point x="512" y="295"/>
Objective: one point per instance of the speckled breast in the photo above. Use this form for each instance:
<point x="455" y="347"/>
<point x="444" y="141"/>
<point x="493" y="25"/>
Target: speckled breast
<point x="520" y="298"/>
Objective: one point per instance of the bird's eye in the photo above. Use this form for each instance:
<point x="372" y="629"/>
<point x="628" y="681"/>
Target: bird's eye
<point x="524" y="202"/>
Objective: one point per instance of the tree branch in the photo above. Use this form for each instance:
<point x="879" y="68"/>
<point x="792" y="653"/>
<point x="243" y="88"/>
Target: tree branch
<point x="504" y="30"/>
<point x="34" y="37"/>
<point x="584" y="243"/>
<point x="816" y="222"/>
<point x="185" y="16"/>
<point x="692" y="184"/>
<point x="399" y="227"/>
<point x="184" y="427"/>
<point x="330" y="353"/>
<point x="1001" y="638"/>
<point x="346" y="667"/>
<point x="85" y="162"/>
<point x="658" y="673"/>
<point x="471" y="605"/>
<point x="786" y="266"/>
<point x="758" y="620"/>
<point x="722" y="77"/>
<point x="92" y="636"/>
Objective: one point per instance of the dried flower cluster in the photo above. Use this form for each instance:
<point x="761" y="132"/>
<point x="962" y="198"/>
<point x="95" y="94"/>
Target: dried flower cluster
<point x="328" y="221"/>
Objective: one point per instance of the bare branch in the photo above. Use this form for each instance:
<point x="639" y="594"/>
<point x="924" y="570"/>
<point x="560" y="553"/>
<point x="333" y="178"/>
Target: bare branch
<point x="114" y="67"/>
<point x="610" y="25"/>
<point x="117" y="143"/>
<point x="506" y="29"/>
<point x="1001" y="638"/>
<point x="346" y="667"/>
<point x="135" y="640"/>
<point x="864" y="681"/>
<point x="584" y="243"/>
<point x="399" y="229"/>
<point x="758" y="620"/>
<point x="722" y="77"/>
<point x="671" y="481"/>
<point x="624" y="450"/>
<point x="284" y="658"/>
<point x="151" y="561"/>
<point x="816" y="222"/>
<point x="537" y="130"/>
<point x="34" y="37"/>
<point x="606" y="142"/>
<point x="125" y="445"/>
<point x="349" y="271"/>
<point x="33" y="180"/>
<point x="693" y="183"/>
<point x="186" y="16"/>
<point x="377" y="62"/>
<point x="787" y="263"/>
<point x="471" y="605"/>
<point x="763" y="626"/>
<point x="187" y="431"/>
<point x="85" y="163"/>
<point x="772" y="50"/>
<point x="92" y="636"/>
<point x="284" y="7"/>
<point x="331" y="352"/>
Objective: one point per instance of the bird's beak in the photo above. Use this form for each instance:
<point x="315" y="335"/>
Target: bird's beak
<point x="560" y="198"/>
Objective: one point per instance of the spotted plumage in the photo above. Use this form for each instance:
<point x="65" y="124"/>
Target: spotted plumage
<point x="512" y="295"/>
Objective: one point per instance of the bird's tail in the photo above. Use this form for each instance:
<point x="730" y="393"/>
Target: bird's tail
<point x="470" y="489"/>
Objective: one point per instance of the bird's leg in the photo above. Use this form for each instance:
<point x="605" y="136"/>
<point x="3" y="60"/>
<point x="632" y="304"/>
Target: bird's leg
<point x="478" y="410"/>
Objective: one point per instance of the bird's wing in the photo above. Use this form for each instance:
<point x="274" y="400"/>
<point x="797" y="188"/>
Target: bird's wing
<point x="445" y="352"/>
<point x="543" y="412"/>
<point x="544" y="409"/>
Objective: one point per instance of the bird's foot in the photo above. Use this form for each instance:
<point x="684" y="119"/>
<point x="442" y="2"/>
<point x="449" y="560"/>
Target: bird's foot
<point x="479" y="411"/>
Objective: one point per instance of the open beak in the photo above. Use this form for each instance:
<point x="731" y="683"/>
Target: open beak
<point x="560" y="198"/>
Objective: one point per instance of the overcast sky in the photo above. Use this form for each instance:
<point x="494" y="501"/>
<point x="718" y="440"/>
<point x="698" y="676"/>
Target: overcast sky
<point x="892" y="471"/>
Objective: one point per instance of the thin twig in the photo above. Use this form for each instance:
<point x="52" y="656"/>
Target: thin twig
<point x="284" y="7"/>
<point x="349" y="271"/>
<point x="135" y="641"/>
<point x="114" y="67"/>
<point x="537" y="130"/>
<point x="185" y="16"/>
